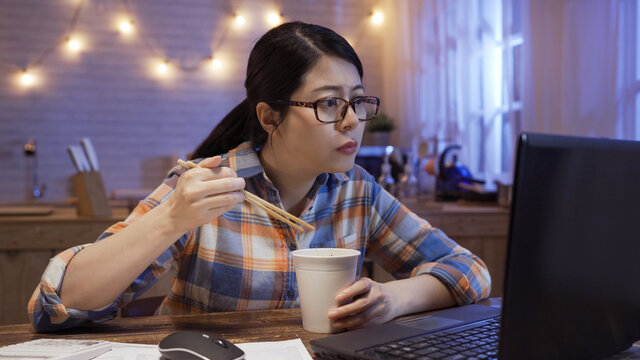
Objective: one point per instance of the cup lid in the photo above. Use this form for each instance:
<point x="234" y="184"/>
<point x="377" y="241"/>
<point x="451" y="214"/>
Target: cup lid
<point x="325" y="252"/>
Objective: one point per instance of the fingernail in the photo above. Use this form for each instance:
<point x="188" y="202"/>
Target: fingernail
<point x="333" y="313"/>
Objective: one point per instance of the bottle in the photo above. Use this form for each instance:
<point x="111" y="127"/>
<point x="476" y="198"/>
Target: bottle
<point x="385" y="179"/>
<point x="408" y="186"/>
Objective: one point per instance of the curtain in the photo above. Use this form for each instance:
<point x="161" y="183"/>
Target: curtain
<point x="628" y="80"/>
<point x="572" y="86"/>
<point x="420" y="91"/>
<point x="444" y="76"/>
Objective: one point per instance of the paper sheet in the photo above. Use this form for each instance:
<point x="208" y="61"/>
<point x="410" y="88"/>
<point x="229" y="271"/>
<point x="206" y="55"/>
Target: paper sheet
<point x="79" y="349"/>
<point x="55" y="349"/>
<point x="280" y="350"/>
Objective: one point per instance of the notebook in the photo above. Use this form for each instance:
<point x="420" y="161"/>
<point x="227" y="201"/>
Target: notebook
<point x="571" y="288"/>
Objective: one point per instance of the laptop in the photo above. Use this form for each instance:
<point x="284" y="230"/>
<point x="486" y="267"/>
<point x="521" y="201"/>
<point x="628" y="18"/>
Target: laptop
<point x="572" y="282"/>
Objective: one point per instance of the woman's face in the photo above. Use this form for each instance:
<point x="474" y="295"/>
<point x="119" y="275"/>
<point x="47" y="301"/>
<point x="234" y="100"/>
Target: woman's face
<point x="310" y="146"/>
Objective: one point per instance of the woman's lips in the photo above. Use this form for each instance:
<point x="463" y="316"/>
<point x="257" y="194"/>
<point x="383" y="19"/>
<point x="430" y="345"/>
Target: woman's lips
<point x="349" y="147"/>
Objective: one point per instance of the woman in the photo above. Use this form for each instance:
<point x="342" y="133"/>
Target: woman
<point x="292" y="141"/>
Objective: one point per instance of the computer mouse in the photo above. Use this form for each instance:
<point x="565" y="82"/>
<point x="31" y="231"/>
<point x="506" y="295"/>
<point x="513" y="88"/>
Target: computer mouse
<point x="196" y="345"/>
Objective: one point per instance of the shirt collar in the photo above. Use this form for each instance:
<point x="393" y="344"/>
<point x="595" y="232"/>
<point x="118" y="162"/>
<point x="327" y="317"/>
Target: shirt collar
<point x="243" y="160"/>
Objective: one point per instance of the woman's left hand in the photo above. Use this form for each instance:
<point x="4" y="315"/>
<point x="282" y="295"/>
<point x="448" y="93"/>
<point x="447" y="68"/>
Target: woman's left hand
<point x="372" y="304"/>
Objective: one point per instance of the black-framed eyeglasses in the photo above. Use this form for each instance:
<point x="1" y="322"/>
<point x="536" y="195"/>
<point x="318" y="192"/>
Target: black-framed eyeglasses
<point x="333" y="109"/>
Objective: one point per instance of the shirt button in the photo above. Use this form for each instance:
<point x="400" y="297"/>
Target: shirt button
<point x="292" y="247"/>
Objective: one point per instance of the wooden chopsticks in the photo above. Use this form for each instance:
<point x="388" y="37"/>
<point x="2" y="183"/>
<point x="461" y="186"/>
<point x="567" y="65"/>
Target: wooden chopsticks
<point x="275" y="211"/>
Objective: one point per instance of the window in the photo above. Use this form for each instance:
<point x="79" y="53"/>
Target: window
<point x="632" y="18"/>
<point x="628" y="72"/>
<point x="470" y="78"/>
<point x="495" y="83"/>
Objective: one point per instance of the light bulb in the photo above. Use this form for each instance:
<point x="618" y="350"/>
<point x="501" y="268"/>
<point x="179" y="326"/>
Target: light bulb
<point x="240" y="20"/>
<point x="74" y="45"/>
<point x="26" y="79"/>
<point x="126" y="27"/>
<point x="216" y="63"/>
<point x="162" y="68"/>
<point x="377" y="18"/>
<point x="274" y="19"/>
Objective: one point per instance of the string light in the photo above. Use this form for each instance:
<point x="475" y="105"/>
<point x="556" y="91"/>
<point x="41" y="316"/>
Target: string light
<point x="27" y="79"/>
<point x="216" y="63"/>
<point x="274" y="19"/>
<point x="377" y="18"/>
<point x="163" y="67"/>
<point x="220" y="67"/>
<point x="73" y="44"/>
<point x="240" y="20"/>
<point x="126" y="27"/>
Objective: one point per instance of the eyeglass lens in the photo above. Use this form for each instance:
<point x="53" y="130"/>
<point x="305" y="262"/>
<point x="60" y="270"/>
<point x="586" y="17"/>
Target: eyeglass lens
<point x="333" y="109"/>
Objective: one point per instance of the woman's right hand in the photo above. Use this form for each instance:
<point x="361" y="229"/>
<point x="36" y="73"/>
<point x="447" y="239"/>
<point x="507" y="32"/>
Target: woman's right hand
<point x="204" y="193"/>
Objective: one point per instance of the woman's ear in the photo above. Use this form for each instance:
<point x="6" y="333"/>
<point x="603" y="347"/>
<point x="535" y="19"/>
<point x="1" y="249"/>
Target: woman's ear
<point x="269" y="118"/>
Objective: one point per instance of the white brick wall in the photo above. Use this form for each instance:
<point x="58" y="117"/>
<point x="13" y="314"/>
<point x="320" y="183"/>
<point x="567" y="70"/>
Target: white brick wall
<point x="108" y="92"/>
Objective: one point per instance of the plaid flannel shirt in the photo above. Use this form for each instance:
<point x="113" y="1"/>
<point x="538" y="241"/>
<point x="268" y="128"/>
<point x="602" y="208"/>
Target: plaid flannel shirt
<point x="241" y="260"/>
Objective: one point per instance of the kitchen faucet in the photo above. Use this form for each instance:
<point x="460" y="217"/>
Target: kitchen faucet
<point x="30" y="151"/>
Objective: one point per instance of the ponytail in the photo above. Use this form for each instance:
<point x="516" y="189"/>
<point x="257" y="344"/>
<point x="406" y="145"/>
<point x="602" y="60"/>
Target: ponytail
<point x="240" y="125"/>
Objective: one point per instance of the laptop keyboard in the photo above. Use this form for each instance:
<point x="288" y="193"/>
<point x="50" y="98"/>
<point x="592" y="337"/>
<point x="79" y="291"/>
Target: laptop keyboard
<point x="479" y="342"/>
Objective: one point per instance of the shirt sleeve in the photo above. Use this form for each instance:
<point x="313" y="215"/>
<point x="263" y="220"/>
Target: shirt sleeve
<point x="407" y="245"/>
<point x="45" y="308"/>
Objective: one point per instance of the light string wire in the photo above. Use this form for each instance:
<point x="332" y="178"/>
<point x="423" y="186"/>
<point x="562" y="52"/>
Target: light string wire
<point x="147" y="43"/>
<point x="51" y="48"/>
<point x="153" y="51"/>
<point x="70" y="29"/>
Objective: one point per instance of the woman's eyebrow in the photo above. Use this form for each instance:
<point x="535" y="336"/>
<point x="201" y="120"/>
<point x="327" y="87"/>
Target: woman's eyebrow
<point x="337" y="88"/>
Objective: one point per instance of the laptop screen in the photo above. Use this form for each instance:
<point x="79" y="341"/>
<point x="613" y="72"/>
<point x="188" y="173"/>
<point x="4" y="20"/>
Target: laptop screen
<point x="573" y="269"/>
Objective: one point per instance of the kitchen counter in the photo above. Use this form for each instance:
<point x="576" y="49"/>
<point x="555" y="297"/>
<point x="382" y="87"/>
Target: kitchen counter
<point x="59" y="230"/>
<point x="27" y="242"/>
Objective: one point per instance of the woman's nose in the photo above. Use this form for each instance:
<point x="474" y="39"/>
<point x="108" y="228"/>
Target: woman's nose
<point x="350" y="120"/>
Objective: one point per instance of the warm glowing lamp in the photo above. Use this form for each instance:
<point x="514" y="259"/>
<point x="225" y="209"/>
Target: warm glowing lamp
<point x="216" y="63"/>
<point x="377" y="18"/>
<point x="240" y="20"/>
<point x="73" y="44"/>
<point x="27" y="79"/>
<point x="274" y="19"/>
<point x="126" y="27"/>
<point x="162" y="68"/>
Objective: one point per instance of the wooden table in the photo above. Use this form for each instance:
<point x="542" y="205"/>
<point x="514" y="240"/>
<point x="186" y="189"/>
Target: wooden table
<point x="237" y="327"/>
<point x="28" y="242"/>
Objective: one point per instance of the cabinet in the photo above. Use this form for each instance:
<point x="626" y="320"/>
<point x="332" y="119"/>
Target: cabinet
<point x="28" y="242"/>
<point x="26" y="245"/>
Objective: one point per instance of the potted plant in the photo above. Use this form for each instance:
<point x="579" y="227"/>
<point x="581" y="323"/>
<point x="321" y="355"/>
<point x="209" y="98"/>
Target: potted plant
<point x="377" y="130"/>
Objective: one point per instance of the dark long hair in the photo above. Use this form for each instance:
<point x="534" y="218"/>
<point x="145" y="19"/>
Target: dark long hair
<point x="275" y="69"/>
